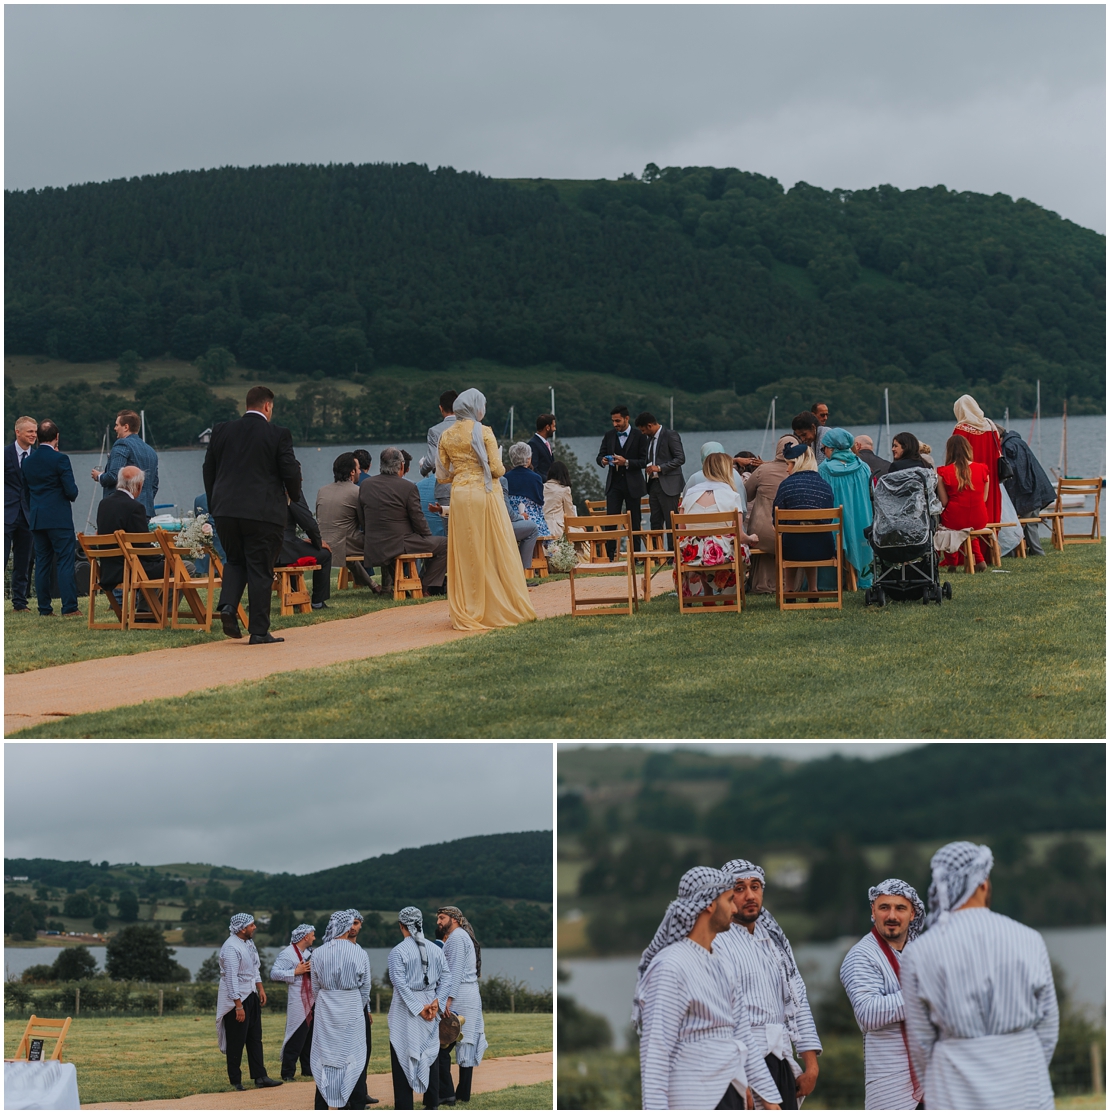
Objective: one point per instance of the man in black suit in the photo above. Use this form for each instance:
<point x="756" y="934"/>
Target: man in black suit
<point x="542" y="453"/>
<point x="17" y="529"/>
<point x="665" y="458"/>
<point x="624" y="451"/>
<point x="864" y="448"/>
<point x="293" y="548"/>
<point x="249" y="470"/>
<point x="120" y="509"/>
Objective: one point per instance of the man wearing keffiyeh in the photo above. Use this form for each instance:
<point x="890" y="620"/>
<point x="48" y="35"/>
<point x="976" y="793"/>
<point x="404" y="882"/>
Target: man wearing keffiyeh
<point x="463" y="954"/>
<point x="292" y="966"/>
<point x="771" y="984"/>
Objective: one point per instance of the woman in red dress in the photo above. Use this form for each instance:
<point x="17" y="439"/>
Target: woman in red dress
<point x="986" y="447"/>
<point x="963" y="486"/>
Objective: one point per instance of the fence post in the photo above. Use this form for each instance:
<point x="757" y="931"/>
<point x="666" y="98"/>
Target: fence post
<point x="160" y="992"/>
<point x="1096" y="1068"/>
<point x="512" y="1003"/>
<point x="77" y="1003"/>
<point x="378" y="1002"/>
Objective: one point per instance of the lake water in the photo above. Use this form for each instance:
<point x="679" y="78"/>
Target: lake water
<point x="532" y="966"/>
<point x="605" y="986"/>
<point x="180" y="480"/>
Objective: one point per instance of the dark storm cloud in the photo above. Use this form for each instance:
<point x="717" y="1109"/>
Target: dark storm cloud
<point x="265" y="806"/>
<point x="987" y="98"/>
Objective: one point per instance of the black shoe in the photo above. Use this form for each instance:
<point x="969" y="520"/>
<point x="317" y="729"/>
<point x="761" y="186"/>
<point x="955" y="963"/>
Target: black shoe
<point x="24" y="610"/>
<point x="266" y="1081"/>
<point x="287" y="1078"/>
<point x="238" y="1086"/>
<point x="263" y="639"/>
<point x="231" y="624"/>
<point x="319" y="606"/>
<point x="370" y="1101"/>
<point x="437" y="591"/>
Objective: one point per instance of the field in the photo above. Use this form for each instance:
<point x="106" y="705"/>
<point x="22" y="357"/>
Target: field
<point x="1015" y="654"/>
<point x="129" y="1059"/>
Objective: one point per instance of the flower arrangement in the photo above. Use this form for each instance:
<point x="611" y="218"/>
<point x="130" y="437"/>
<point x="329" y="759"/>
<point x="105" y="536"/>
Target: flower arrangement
<point x="195" y="535"/>
<point x="561" y="556"/>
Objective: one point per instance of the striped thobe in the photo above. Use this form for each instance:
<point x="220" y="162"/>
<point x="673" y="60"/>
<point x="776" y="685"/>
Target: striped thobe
<point x="981" y="1013"/>
<point x="240" y="972"/>
<point x="341" y="983"/>
<point x="696" y="1037"/>
<point x="462" y="985"/>
<point x="282" y="971"/>
<point x="876" y="997"/>
<point x="415" y="1040"/>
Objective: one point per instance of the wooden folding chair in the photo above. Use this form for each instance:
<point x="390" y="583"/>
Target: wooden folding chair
<point x="290" y="585"/>
<point x="711" y="524"/>
<point x="185" y="588"/>
<point x="801" y="522"/>
<point x="43" y="1028"/>
<point x="989" y="536"/>
<point x="598" y="531"/>
<point x="218" y="565"/>
<point x="1083" y="487"/>
<point x="654" y="553"/>
<point x="154" y="590"/>
<point x="595" y="506"/>
<point x="96" y="547"/>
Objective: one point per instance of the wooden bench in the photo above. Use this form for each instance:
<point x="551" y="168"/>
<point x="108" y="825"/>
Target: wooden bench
<point x="289" y="583"/>
<point x="406" y="576"/>
<point x="346" y="578"/>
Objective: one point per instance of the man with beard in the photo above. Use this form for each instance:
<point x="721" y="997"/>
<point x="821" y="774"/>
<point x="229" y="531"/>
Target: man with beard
<point x="981" y="1012"/>
<point x="463" y="954"/>
<point x="871" y="976"/>
<point x="292" y="966"/>
<point x="772" y="986"/>
<point x="239" y="1004"/>
<point x="695" y="1040"/>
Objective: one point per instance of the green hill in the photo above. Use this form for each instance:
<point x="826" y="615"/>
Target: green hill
<point x="713" y="282"/>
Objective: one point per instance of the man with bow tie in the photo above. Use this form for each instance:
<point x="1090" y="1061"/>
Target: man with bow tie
<point x="624" y="451"/>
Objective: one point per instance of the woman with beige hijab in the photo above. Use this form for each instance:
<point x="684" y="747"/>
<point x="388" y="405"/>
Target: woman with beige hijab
<point x="761" y="487"/>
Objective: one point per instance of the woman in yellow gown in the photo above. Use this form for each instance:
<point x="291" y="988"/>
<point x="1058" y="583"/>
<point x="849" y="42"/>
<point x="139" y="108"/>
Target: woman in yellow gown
<point x="485" y="580"/>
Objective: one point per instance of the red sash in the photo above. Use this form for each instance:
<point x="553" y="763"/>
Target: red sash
<point x="306" y="987"/>
<point x="892" y="958"/>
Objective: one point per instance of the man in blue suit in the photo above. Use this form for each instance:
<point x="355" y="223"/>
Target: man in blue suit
<point x="17" y="529"/>
<point x="50" y="488"/>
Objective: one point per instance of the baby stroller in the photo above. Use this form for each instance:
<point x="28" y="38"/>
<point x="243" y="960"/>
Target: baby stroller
<point x="905" y="512"/>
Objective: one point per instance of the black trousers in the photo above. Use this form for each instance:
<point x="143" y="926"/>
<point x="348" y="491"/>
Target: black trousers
<point x="19" y="540"/>
<point x="617" y="500"/>
<point x="447" y="1089"/>
<point x="252" y="549"/>
<point x="321" y="579"/>
<point x="662" y="507"/>
<point x="245" y="1034"/>
<point x="732" y="1100"/>
<point x="297" y="1047"/>
<point x="784" y="1081"/>
<point x="359" y="1099"/>
<point x="402" y="1092"/>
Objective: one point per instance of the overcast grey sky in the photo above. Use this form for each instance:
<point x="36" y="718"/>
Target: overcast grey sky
<point x="992" y="98"/>
<point x="265" y="806"/>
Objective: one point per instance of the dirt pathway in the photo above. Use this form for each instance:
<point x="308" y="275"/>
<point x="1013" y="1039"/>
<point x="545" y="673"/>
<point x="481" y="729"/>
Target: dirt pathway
<point x="44" y="695"/>
<point x="492" y="1075"/>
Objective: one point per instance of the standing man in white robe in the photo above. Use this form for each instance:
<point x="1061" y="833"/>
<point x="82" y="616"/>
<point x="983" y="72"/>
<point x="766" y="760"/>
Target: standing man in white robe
<point x="696" y="1047"/>
<point x="981" y="1012"/>
<point x="341" y="985"/>
<point x="418" y="973"/>
<point x="462" y="996"/>
<point x="772" y="986"/>
<point x="239" y="1004"/>
<point x="870" y="974"/>
<point x="292" y="966"/>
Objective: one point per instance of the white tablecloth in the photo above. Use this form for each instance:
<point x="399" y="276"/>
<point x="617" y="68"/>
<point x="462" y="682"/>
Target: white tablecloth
<point x="40" y="1085"/>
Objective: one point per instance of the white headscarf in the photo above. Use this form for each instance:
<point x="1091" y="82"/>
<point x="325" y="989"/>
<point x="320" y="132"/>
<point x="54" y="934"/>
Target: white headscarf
<point x="958" y="870"/>
<point x="969" y="413"/>
<point x="471" y="406"/>
<point x="897" y="888"/>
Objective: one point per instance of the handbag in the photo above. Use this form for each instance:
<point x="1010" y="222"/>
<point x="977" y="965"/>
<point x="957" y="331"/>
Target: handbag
<point x="450" y="1027"/>
<point x="1005" y="470"/>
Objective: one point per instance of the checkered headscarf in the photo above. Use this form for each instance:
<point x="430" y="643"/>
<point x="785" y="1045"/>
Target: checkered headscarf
<point x="899" y="888"/>
<point x="958" y="869"/>
<point x="239" y="922"/>
<point x="300" y="932"/>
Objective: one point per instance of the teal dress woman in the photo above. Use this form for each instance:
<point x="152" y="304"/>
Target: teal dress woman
<point x="850" y="479"/>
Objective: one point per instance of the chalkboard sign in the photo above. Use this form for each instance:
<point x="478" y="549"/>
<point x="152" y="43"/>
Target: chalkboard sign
<point x="35" y="1052"/>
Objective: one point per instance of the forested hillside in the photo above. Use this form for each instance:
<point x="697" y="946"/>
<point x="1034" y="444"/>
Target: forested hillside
<point x="704" y="279"/>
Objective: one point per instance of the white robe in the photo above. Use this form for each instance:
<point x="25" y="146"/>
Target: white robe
<point x="239" y="965"/>
<point x="462" y="986"/>
<point x="981" y="1013"/>
<point x="341" y="982"/>
<point x="283" y="971"/>
<point x="415" y="1040"/>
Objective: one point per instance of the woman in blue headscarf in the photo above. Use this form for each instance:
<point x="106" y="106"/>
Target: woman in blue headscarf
<point x="850" y="479"/>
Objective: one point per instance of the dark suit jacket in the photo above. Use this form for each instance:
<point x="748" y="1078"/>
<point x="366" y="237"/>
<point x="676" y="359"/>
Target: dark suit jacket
<point x="670" y="457"/>
<point x="300" y="515"/>
<point x="389" y="512"/>
<point x="15" y="498"/>
<point x="49" y="486"/>
<point x="877" y="465"/>
<point x="249" y="468"/>
<point x="118" y="511"/>
<point x="541" y="457"/>
<point x="634" y="451"/>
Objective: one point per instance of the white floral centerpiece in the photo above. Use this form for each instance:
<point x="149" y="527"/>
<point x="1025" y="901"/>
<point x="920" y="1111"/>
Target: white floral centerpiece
<point x="195" y="535"/>
<point x="561" y="556"/>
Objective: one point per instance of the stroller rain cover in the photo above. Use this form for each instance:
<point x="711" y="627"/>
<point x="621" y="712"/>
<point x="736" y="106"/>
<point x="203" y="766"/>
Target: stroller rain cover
<point x="904" y="503"/>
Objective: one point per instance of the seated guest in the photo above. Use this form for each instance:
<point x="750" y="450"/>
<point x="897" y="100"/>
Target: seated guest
<point x="557" y="500"/>
<point x="522" y="480"/>
<point x="363" y="459"/>
<point x="294" y="548"/>
<point x="745" y="461"/>
<point x="850" y="479"/>
<point x="804" y="489"/>
<point x="120" y="509"/>
<point x="925" y="452"/>
<point x="906" y="450"/>
<point x="761" y="487"/>
<point x="393" y="523"/>
<point x="337" y="518"/>
<point x="864" y="448"/>
<point x="699" y="476"/>
<point x="526" y="529"/>
<point x="963" y="487"/>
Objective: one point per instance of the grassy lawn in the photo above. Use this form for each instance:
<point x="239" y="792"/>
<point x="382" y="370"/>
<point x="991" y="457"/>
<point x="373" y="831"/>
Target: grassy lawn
<point x="1019" y="653"/>
<point x="122" y="1059"/>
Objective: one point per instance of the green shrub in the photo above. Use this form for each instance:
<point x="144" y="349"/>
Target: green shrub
<point x="38" y="972"/>
<point x="204" y="997"/>
<point x="277" y="996"/>
<point x="500" y="994"/>
<point x="600" y="1081"/>
<point x="17" y="997"/>
<point x="579" y="1029"/>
